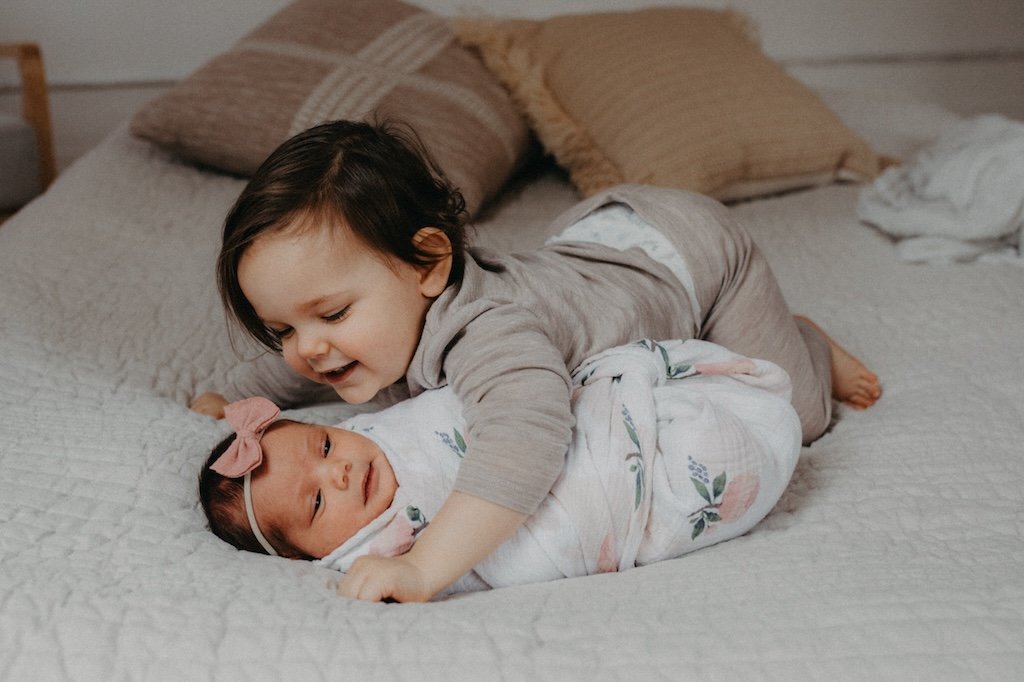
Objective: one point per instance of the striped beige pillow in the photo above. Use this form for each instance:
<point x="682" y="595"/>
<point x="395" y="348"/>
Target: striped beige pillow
<point x="320" y="60"/>
<point x="681" y="97"/>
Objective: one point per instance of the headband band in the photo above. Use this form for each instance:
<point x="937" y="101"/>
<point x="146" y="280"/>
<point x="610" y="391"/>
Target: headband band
<point x="249" y="512"/>
<point x="250" y="418"/>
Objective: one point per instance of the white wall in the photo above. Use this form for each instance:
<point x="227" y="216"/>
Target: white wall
<point x="112" y="41"/>
<point x="115" y="41"/>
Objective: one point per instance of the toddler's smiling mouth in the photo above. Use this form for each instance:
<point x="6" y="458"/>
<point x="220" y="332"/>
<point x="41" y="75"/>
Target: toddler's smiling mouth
<point x="340" y="374"/>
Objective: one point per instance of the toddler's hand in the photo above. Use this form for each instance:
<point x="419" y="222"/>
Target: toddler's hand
<point x="210" y="404"/>
<point x="374" y="578"/>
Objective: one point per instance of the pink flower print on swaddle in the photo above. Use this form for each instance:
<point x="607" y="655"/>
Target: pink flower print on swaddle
<point x="738" y="365"/>
<point x="739" y="495"/>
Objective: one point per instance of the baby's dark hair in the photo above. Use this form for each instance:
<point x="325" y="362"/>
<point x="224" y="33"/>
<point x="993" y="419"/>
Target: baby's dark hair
<point x="377" y="178"/>
<point x="224" y="505"/>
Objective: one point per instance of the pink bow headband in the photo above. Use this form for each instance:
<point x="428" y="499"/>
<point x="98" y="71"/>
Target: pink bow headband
<point x="250" y="418"/>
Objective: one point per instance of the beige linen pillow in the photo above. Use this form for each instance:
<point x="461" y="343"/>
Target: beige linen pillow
<point x="319" y="60"/>
<point x="679" y="97"/>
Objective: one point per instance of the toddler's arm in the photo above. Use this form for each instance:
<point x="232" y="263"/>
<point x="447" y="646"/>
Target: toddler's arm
<point x="518" y="426"/>
<point x="464" y="532"/>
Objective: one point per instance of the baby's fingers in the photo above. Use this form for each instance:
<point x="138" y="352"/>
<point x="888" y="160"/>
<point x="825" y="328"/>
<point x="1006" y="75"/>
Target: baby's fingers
<point x="380" y="579"/>
<point x="210" y="404"/>
<point x="361" y="583"/>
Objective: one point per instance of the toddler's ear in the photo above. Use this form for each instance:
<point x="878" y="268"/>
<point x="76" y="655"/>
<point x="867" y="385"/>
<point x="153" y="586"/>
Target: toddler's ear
<point x="434" y="276"/>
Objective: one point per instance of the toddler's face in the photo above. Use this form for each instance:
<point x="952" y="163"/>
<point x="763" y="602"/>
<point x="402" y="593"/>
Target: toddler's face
<point x="319" y="485"/>
<point x="345" y="316"/>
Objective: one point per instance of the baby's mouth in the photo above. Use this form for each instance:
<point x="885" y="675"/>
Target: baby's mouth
<point x="367" y="479"/>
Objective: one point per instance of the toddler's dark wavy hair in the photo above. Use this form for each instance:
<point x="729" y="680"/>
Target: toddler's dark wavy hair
<point x="377" y="178"/>
<point x="224" y="505"/>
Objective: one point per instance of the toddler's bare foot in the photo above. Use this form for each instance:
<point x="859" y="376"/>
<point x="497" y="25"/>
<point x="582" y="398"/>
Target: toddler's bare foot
<point x="852" y="382"/>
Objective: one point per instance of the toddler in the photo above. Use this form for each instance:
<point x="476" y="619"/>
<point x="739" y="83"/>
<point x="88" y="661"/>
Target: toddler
<point x="677" y="445"/>
<point x="345" y="253"/>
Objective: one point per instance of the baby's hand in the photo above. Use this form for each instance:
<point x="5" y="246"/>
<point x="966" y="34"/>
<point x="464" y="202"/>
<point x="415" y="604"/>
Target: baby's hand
<point x="374" y="578"/>
<point x="210" y="404"/>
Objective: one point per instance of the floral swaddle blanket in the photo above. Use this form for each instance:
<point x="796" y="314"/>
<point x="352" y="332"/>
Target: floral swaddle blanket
<point x="677" y="445"/>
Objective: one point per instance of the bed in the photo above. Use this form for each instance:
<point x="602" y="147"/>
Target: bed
<point x="895" y="553"/>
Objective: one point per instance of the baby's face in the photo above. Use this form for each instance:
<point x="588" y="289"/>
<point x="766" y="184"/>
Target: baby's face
<point x="319" y="485"/>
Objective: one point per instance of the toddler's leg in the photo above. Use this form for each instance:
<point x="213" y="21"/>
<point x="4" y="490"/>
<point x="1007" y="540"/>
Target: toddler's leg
<point x="852" y="382"/>
<point x="741" y="304"/>
<point x="743" y="309"/>
<point x="750" y="317"/>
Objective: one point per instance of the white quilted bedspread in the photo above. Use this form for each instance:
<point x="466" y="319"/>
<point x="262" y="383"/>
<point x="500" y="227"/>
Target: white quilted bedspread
<point x="897" y="551"/>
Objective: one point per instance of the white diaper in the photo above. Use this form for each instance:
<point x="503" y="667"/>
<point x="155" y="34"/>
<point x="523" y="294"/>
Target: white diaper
<point x="619" y="227"/>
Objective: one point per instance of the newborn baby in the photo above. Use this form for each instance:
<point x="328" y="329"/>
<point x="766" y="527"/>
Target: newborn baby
<point x="677" y="445"/>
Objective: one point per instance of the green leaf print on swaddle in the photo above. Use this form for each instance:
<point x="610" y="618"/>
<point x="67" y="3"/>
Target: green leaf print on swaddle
<point x="672" y="371"/>
<point x="454" y="441"/>
<point x="634" y="460"/>
<point x="726" y="501"/>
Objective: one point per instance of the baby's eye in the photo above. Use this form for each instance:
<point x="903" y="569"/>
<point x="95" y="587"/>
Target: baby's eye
<point x="327" y="445"/>
<point x="317" y="502"/>
<point x="334" y="317"/>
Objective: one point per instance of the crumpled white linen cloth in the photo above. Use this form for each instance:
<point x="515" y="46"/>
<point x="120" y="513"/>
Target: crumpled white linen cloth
<point x="960" y="198"/>
<point x="677" y="445"/>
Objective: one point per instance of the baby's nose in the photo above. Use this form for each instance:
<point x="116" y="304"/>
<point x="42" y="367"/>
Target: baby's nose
<point x="341" y="474"/>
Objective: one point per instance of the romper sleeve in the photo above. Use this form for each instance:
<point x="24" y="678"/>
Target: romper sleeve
<point x="515" y="390"/>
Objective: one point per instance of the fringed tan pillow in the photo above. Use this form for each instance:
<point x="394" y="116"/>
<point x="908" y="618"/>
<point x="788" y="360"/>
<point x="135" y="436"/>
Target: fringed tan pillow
<point x="679" y="97"/>
<point x="319" y="60"/>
